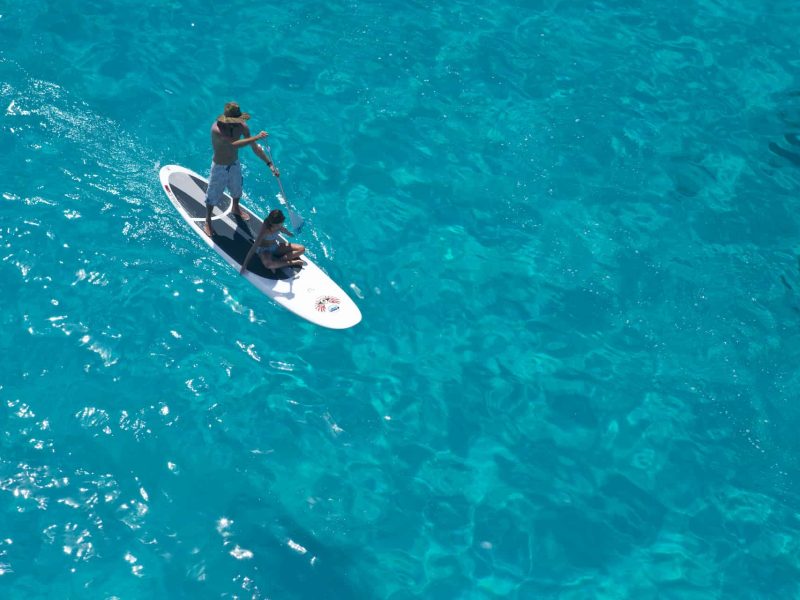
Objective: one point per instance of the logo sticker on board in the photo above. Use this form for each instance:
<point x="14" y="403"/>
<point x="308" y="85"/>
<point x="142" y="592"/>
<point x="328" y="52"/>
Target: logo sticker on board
<point x="328" y="304"/>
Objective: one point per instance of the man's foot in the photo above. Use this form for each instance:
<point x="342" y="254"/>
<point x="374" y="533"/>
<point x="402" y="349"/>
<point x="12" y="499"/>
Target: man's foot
<point x="208" y="230"/>
<point x="243" y="214"/>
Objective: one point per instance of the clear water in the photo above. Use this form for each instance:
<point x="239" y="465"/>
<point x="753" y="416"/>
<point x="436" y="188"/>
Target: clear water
<point x="571" y="228"/>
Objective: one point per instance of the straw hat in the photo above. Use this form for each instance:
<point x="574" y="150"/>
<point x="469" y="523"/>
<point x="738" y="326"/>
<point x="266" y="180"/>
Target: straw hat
<point x="233" y="114"/>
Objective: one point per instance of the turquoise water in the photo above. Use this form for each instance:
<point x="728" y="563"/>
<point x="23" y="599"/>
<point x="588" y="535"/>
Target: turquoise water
<point x="571" y="230"/>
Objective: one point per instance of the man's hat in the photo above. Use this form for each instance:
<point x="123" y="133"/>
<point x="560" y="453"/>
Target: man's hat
<point x="233" y="114"/>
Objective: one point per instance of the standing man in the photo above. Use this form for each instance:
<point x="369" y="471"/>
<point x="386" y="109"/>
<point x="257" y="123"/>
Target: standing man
<point x="229" y="133"/>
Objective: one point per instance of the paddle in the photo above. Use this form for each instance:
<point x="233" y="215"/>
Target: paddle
<point x="296" y="220"/>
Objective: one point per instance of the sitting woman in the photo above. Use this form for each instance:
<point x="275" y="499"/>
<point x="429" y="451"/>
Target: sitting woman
<point x="273" y="251"/>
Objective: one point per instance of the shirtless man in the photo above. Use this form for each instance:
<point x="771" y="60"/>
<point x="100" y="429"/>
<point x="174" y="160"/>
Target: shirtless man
<point x="229" y="133"/>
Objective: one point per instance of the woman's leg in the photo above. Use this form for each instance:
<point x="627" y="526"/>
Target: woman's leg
<point x="272" y="262"/>
<point x="276" y="260"/>
<point x="286" y="256"/>
<point x="295" y="250"/>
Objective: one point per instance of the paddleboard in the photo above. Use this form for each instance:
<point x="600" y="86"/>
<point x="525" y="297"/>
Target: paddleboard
<point x="309" y="293"/>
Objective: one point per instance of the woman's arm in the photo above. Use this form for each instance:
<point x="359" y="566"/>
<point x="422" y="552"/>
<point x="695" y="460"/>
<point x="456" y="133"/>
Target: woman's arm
<point x="255" y="245"/>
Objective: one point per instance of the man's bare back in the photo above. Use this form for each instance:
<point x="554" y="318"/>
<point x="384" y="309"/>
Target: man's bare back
<point x="222" y="137"/>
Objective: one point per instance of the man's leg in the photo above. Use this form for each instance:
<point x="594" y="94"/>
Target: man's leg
<point x="208" y="228"/>
<point x="235" y="182"/>
<point x="216" y="186"/>
<point x="238" y="212"/>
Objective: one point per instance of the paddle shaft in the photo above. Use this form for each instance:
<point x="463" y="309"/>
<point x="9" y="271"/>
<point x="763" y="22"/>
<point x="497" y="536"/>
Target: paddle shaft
<point x="297" y="220"/>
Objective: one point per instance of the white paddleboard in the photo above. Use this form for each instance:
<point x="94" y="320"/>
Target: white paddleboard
<point x="309" y="293"/>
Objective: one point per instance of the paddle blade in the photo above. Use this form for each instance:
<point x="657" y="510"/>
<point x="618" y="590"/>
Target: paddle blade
<point x="295" y="219"/>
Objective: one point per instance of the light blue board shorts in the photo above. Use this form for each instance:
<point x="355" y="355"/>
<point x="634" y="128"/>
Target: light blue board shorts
<point x="224" y="176"/>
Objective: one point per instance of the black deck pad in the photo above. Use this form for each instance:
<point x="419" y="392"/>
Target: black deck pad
<point x="235" y="242"/>
<point x="196" y="208"/>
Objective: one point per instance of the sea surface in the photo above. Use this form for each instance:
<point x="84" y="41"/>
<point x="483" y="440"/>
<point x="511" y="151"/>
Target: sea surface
<point x="572" y="229"/>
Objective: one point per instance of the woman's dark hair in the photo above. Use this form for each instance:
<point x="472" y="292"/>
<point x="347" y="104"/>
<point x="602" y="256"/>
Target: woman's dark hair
<point x="275" y="217"/>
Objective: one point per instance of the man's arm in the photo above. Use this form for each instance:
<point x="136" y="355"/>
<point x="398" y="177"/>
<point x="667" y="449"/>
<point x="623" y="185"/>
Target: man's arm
<point x="250" y="140"/>
<point x="263" y="156"/>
